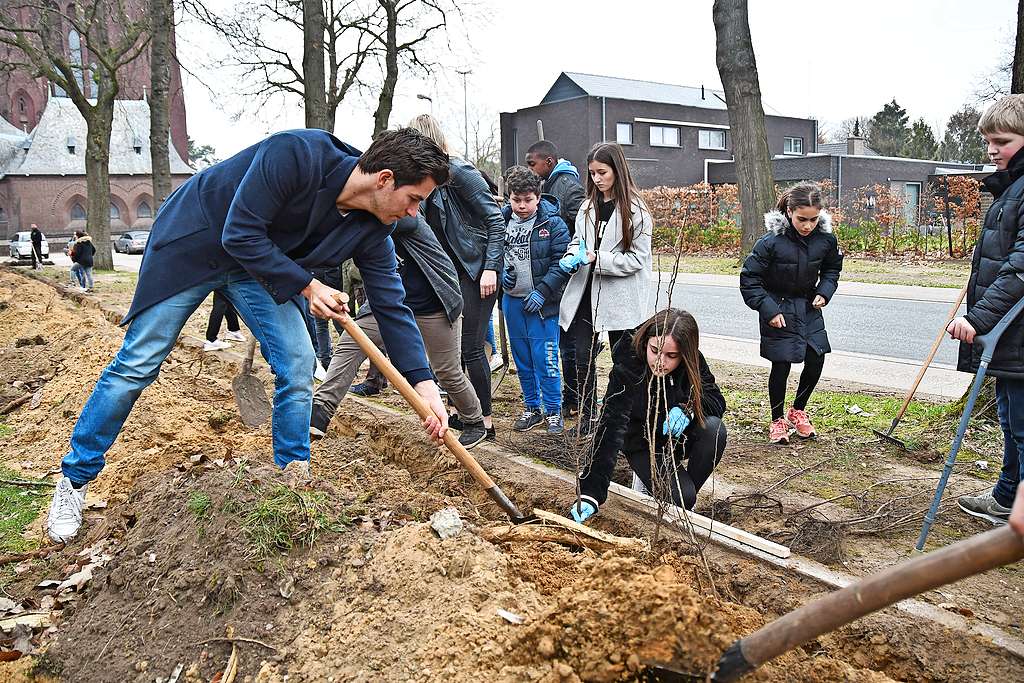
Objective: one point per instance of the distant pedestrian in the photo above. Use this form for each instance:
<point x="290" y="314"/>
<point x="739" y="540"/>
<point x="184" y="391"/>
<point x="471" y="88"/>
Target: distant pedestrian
<point x="37" y="247"/>
<point x="532" y="284"/>
<point x="788" y="278"/>
<point x="82" y="253"/>
<point x="222" y="310"/>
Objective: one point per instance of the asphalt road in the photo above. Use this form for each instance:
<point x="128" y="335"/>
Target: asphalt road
<point x="897" y="328"/>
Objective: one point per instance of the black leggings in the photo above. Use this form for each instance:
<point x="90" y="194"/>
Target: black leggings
<point x="476" y="313"/>
<point x="813" y="363"/>
<point x="702" y="448"/>
<point x="586" y="342"/>
<point x="222" y="309"/>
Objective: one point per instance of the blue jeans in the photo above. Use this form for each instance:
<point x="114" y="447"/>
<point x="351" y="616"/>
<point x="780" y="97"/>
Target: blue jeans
<point x="151" y="335"/>
<point x="81" y="275"/>
<point x="1010" y="406"/>
<point x="534" y="342"/>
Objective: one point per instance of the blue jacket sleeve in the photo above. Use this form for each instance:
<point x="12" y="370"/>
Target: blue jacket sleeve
<point x="384" y="290"/>
<point x="554" y="280"/>
<point x="281" y="168"/>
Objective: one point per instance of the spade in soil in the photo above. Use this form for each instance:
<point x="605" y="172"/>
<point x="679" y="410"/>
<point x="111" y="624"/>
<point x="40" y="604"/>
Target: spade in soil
<point x="250" y="394"/>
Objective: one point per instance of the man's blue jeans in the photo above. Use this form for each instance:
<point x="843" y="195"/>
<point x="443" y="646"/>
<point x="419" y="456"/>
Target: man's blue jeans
<point x="151" y="335"/>
<point x="1010" y="406"/>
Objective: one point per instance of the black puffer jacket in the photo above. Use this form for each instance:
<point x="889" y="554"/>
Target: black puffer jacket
<point x="633" y="409"/>
<point x="467" y="220"/>
<point x="997" y="274"/>
<point x="783" y="274"/>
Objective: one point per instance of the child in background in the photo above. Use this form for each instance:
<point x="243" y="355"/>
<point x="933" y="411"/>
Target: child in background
<point x="536" y="237"/>
<point x="790" y="275"/>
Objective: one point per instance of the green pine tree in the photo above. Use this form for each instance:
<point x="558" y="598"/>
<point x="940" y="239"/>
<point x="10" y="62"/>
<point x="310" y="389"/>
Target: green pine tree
<point x="922" y="143"/>
<point x="962" y="141"/>
<point x="888" y="133"/>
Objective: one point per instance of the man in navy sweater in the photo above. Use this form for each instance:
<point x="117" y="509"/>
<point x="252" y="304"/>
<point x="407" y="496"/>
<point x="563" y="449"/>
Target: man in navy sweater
<point x="253" y="226"/>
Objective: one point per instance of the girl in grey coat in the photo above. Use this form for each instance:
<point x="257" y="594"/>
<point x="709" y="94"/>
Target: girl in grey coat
<point x="610" y="259"/>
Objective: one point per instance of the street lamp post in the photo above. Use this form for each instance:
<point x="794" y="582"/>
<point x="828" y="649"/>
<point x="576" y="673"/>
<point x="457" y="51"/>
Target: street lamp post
<point x="465" y="107"/>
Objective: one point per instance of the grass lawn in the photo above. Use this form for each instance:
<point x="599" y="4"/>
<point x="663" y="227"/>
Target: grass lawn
<point x="952" y="273"/>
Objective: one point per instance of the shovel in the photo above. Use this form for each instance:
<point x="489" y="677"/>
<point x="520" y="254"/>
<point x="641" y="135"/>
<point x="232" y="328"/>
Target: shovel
<point x="250" y="394"/>
<point x="423" y="410"/>
<point x="887" y="435"/>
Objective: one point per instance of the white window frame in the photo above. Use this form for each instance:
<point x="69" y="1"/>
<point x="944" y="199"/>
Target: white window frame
<point x="662" y="130"/>
<point x="789" y="139"/>
<point x="623" y="125"/>
<point x="706" y="134"/>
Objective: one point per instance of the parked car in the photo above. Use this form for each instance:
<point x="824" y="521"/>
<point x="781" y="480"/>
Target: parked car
<point x="133" y="242"/>
<point x="21" y="246"/>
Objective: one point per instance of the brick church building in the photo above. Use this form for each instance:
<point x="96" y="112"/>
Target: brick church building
<point x="42" y="149"/>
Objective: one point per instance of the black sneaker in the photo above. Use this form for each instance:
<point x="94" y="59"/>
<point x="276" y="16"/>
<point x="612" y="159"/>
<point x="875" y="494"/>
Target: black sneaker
<point x="319" y="421"/>
<point x="491" y="434"/>
<point x="570" y="410"/>
<point x="555" y="424"/>
<point x="364" y="389"/>
<point x="472" y="434"/>
<point x="455" y="422"/>
<point x="584" y="429"/>
<point x="529" y="420"/>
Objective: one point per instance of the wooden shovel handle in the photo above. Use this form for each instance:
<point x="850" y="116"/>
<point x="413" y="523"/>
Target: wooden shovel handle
<point x="968" y="557"/>
<point x="417" y="402"/>
<point x="931" y="354"/>
<point x="250" y="353"/>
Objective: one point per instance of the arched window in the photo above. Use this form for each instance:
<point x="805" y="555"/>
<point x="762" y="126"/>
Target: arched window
<point x="21" y="105"/>
<point x="115" y="213"/>
<point x="75" y="51"/>
<point x="144" y="211"/>
<point x="78" y="212"/>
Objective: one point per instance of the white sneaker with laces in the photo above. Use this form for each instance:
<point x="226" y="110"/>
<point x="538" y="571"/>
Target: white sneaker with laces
<point x="319" y="374"/>
<point x="234" y="336"/>
<point x="65" y="516"/>
<point x="215" y="345"/>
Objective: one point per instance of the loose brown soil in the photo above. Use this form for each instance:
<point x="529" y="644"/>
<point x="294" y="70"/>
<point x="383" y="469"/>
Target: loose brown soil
<point x="343" y="579"/>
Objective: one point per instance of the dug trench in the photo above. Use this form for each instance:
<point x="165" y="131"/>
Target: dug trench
<point x="207" y="546"/>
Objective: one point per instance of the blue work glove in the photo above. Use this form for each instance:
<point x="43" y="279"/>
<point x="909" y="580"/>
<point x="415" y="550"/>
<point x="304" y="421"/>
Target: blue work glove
<point x="581" y="511"/>
<point x="508" y="278"/>
<point x="676" y="422"/>
<point x="570" y="263"/>
<point x="533" y="302"/>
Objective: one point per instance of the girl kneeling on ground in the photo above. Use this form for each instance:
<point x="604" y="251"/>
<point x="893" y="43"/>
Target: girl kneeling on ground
<point x="788" y="278"/>
<point x="532" y="284"/>
<point x="661" y="399"/>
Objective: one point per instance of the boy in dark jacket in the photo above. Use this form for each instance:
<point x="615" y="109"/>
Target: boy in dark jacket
<point x="536" y="237"/>
<point x="995" y="285"/>
<point x="82" y="254"/>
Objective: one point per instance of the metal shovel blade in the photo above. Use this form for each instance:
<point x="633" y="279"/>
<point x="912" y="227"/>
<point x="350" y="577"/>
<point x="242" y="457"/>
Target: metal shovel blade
<point x="250" y="394"/>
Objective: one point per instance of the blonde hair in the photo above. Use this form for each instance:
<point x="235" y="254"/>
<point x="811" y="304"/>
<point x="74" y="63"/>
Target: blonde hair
<point x="1005" y="116"/>
<point x="429" y="126"/>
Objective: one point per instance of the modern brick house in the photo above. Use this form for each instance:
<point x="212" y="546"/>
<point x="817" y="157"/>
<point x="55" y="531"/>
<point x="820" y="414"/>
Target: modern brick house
<point x="671" y="133"/>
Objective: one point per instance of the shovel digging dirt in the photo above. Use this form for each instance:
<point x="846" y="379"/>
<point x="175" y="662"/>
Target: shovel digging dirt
<point x="250" y="394"/>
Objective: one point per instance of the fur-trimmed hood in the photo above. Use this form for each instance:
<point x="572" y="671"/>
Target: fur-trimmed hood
<point x="775" y="221"/>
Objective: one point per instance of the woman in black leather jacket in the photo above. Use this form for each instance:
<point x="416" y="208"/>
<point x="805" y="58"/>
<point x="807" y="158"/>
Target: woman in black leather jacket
<point x="468" y="223"/>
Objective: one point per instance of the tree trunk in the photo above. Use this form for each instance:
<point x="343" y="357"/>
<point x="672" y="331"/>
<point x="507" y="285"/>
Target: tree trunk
<point x="387" y="91"/>
<point x="738" y="70"/>
<point x="162" y="17"/>
<point x="314" y="90"/>
<point x="1017" y="78"/>
<point x="97" y="174"/>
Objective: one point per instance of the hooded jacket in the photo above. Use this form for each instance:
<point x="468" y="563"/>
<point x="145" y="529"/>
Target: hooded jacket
<point x="997" y="274"/>
<point x="563" y="183"/>
<point x="633" y="409"/>
<point x="548" y="241"/>
<point x="783" y="274"/>
<point x="83" y="251"/>
<point x="467" y="220"/>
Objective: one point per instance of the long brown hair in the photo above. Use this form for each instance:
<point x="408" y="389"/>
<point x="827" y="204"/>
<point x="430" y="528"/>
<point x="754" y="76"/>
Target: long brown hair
<point x="799" y="196"/>
<point x="624" y="190"/>
<point x="682" y="327"/>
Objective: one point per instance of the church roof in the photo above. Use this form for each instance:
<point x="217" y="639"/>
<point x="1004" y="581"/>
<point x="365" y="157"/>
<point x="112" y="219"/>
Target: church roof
<point x="62" y="128"/>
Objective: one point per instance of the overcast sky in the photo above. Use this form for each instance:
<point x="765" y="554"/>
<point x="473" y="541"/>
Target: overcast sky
<point x="827" y="60"/>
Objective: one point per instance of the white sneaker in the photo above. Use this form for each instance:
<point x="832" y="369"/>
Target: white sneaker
<point x="496" y="362"/>
<point x="234" y="336"/>
<point x="215" y="345"/>
<point x="319" y="374"/>
<point x="65" y="516"/>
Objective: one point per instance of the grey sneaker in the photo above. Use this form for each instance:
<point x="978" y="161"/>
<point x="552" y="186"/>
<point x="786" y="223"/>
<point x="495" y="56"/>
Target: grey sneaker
<point x="529" y="420"/>
<point x="472" y="434"/>
<point x="555" y="425"/>
<point x="984" y="507"/>
<point x="65" y="517"/>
